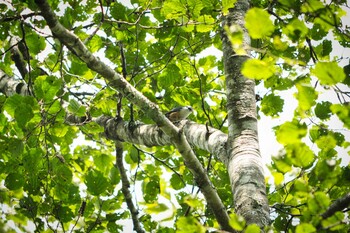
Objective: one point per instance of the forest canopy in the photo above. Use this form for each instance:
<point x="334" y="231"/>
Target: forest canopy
<point x="85" y="145"/>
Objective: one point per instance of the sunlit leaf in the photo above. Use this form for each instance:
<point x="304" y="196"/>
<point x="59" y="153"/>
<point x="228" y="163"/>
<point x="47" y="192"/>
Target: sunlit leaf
<point x="322" y="110"/>
<point x="278" y="178"/>
<point x="189" y="225"/>
<point x="343" y="112"/>
<point x="318" y="203"/>
<point x="207" y="23"/>
<point x="305" y="227"/>
<point x="306" y="96"/>
<point x="329" y="73"/>
<point x="35" y="43"/>
<point x="300" y="155"/>
<point x="96" y="183"/>
<point x="253" y="228"/>
<point x="76" y="108"/>
<point x="176" y="182"/>
<point x="237" y="222"/>
<point x="295" y="30"/>
<point x="272" y="105"/>
<point x="258" y="69"/>
<point x="226" y="5"/>
<point x="326" y="142"/>
<point x="156" y="208"/>
<point x="256" y="17"/>
<point x="290" y="132"/>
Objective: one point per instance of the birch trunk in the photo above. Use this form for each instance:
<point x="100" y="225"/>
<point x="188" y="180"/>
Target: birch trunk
<point x="244" y="161"/>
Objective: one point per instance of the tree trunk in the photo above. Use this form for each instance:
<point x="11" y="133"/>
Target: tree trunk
<point x="244" y="166"/>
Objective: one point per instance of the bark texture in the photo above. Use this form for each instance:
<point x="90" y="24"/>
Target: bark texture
<point x="116" y="81"/>
<point x="244" y="160"/>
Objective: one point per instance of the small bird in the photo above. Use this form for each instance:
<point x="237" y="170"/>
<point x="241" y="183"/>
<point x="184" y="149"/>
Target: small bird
<point x="179" y="113"/>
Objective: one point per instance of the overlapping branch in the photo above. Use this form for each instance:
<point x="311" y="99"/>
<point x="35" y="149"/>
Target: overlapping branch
<point x="116" y="81"/>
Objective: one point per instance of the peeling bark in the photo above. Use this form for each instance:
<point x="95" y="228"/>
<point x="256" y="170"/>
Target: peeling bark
<point x="244" y="161"/>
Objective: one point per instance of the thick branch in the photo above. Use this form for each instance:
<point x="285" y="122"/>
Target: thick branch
<point x="116" y="81"/>
<point x="338" y="205"/>
<point x="245" y="165"/>
<point x="17" y="57"/>
<point x="10" y="86"/>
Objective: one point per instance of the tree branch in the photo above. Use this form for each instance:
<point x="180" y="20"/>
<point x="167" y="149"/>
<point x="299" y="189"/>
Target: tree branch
<point x="117" y="82"/>
<point x="338" y="205"/>
<point x="125" y="187"/>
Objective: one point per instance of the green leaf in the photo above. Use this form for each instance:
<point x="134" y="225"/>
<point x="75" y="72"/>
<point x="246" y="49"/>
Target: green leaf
<point x="277" y="83"/>
<point x="62" y="173"/>
<point x="63" y="213"/>
<point x="343" y="112"/>
<point x="281" y="163"/>
<point x="21" y="108"/>
<point x="332" y="222"/>
<point x="78" y="67"/>
<point x="305" y="227"/>
<point x="258" y="69"/>
<point x="235" y="35"/>
<point x="329" y="73"/>
<point x="96" y="183"/>
<point x="59" y="130"/>
<point x="253" y="228"/>
<point x="306" y="97"/>
<point x="323" y="111"/>
<point x="3" y="123"/>
<point x="155" y="51"/>
<point x="189" y="225"/>
<point x="272" y="105"/>
<point x="254" y="19"/>
<point x="14" y="181"/>
<point x="35" y="43"/>
<point x="207" y="23"/>
<point x="114" y="176"/>
<point x="173" y="9"/>
<point x="312" y="6"/>
<point x="156" y="208"/>
<point x="151" y="188"/>
<point x="169" y="76"/>
<point x="75" y="108"/>
<point x="32" y="185"/>
<point x="318" y="203"/>
<point x="13" y="102"/>
<point x="226" y="5"/>
<point x="317" y="32"/>
<point x="23" y="114"/>
<point x="326" y="142"/>
<point x="119" y="11"/>
<point x="237" y="222"/>
<point x="32" y="160"/>
<point x="278" y="178"/>
<point x="176" y="182"/>
<point x="295" y="30"/>
<point x="346" y="70"/>
<point x="301" y="185"/>
<point x="46" y="87"/>
<point x="290" y="132"/>
<point x="300" y="155"/>
<point x="103" y="161"/>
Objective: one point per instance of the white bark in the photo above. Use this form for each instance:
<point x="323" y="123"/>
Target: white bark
<point x="244" y="166"/>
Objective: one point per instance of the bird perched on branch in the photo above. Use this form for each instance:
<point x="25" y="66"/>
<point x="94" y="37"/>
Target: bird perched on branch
<point x="179" y="113"/>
